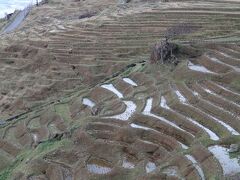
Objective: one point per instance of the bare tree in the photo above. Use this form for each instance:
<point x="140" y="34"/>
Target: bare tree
<point x="163" y="51"/>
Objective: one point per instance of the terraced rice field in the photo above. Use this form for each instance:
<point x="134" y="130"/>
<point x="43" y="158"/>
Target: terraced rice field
<point x="83" y="101"/>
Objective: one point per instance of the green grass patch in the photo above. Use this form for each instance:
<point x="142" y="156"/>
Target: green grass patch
<point x="20" y="165"/>
<point x="206" y="141"/>
<point x="230" y="140"/>
<point x="7" y="172"/>
<point x="235" y="155"/>
<point x="236" y="84"/>
<point x="63" y="111"/>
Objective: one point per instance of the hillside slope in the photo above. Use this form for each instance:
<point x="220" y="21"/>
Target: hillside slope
<point x="80" y="100"/>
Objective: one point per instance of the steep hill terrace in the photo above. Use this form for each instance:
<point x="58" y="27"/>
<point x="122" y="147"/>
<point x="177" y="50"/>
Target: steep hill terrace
<point x="144" y="120"/>
<point x="94" y="108"/>
<point x="95" y="48"/>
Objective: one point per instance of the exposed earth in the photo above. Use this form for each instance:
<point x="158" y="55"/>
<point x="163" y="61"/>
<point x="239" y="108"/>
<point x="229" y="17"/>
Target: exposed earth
<point x="79" y="98"/>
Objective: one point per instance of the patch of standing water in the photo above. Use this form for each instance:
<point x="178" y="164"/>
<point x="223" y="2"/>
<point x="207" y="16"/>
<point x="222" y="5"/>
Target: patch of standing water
<point x="215" y="59"/>
<point x="210" y="92"/>
<point x="139" y="127"/>
<point x="230" y="165"/>
<point x="181" y="97"/>
<point x="98" y="166"/>
<point x="128" y="165"/>
<point x="226" y="55"/>
<point x="148" y="142"/>
<point x="198" y="68"/>
<point x="220" y="62"/>
<point x="221" y="108"/>
<point x="163" y="103"/>
<point x="231" y="66"/>
<point x="195" y="164"/>
<point x="88" y="102"/>
<point x="130" y="109"/>
<point x="97" y="169"/>
<point x="183" y="145"/>
<point x="195" y="93"/>
<point x="110" y="87"/>
<point x="233" y="131"/>
<point x="35" y="138"/>
<point x="147" y="128"/>
<point x="222" y="87"/>
<point x="171" y="171"/>
<point x="212" y="135"/>
<point x="150" y="166"/>
<point x="147" y="111"/>
<point x="129" y="81"/>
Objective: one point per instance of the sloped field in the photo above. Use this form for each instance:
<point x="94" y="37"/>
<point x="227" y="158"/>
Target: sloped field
<point x="85" y="103"/>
